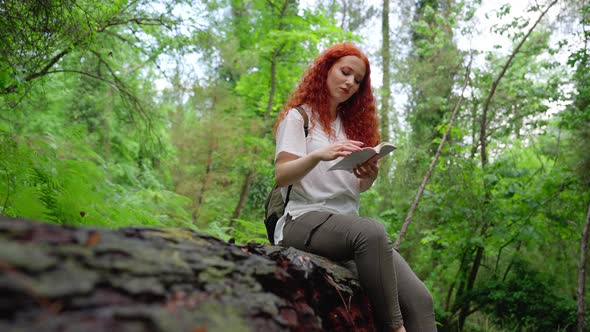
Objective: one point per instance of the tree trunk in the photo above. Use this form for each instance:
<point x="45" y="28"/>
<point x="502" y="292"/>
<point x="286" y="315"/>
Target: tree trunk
<point x="57" y="278"/>
<point x="386" y="60"/>
<point x="265" y="130"/>
<point x="452" y="323"/>
<point x="383" y="186"/>
<point x="241" y="200"/>
<point x="465" y="311"/>
<point x="105" y="125"/>
<point x="422" y="187"/>
<point x="465" y="307"/>
<point x="582" y="274"/>
<point x="205" y="182"/>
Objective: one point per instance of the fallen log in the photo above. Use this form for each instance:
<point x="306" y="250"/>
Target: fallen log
<point x="63" y="278"/>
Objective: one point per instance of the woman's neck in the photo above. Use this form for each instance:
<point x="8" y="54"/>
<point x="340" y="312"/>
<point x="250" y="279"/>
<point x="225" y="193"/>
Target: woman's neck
<point x="333" y="110"/>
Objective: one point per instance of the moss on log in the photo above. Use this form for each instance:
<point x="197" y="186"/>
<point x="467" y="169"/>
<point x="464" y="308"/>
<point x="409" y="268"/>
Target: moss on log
<point x="60" y="278"/>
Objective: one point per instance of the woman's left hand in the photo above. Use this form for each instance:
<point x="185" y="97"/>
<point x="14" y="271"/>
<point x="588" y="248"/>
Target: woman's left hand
<point x="368" y="170"/>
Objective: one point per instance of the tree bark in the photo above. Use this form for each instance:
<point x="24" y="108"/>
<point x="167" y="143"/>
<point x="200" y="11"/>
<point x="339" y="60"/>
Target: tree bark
<point x="582" y="274"/>
<point x="56" y="278"/>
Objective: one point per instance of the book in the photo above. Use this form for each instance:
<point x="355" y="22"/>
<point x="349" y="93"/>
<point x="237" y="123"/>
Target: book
<point x="356" y="158"/>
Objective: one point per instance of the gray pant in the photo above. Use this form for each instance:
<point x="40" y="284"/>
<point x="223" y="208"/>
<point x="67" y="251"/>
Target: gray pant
<point x="393" y="288"/>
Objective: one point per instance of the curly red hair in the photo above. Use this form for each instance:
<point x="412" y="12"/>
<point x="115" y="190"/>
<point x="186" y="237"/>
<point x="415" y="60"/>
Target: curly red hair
<point x="358" y="113"/>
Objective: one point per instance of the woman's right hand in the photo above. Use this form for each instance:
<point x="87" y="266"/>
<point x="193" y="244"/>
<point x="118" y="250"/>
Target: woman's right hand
<point x="340" y="149"/>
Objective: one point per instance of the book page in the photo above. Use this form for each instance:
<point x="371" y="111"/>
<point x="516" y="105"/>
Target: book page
<point x="351" y="161"/>
<point x="384" y="148"/>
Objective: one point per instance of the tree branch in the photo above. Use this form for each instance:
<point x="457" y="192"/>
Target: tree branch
<point x="102" y="79"/>
<point x="496" y="82"/>
<point x="136" y="20"/>
<point x="11" y="88"/>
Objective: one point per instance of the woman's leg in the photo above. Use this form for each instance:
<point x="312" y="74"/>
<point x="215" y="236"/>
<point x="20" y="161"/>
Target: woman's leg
<point x="414" y="298"/>
<point x="342" y="237"/>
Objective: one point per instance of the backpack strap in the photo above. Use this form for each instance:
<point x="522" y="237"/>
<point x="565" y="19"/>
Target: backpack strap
<point x="305" y="119"/>
<point x="306" y="129"/>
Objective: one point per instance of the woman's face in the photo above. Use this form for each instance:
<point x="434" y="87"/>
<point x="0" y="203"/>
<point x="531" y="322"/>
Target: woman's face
<point x="345" y="77"/>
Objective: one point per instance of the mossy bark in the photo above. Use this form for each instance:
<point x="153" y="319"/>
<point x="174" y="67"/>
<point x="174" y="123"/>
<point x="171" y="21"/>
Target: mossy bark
<point x="60" y="278"/>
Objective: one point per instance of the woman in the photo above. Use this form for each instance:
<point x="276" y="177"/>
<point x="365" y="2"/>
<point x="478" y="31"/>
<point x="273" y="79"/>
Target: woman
<point x="322" y="214"/>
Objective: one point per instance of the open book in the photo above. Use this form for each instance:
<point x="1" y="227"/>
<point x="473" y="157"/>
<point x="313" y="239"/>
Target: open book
<point x="354" y="159"/>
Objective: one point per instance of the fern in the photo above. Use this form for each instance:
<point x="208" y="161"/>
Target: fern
<point x="248" y="231"/>
<point x="218" y="229"/>
<point x="62" y="180"/>
<point x="49" y="189"/>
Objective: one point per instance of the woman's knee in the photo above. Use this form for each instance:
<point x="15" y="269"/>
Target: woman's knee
<point x="373" y="230"/>
<point x="371" y="235"/>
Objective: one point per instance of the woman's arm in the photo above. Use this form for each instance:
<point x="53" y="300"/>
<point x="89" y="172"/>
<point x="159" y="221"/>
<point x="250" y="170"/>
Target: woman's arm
<point x="290" y="168"/>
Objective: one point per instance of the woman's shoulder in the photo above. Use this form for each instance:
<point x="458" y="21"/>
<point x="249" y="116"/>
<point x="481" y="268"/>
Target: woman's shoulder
<point x="295" y="114"/>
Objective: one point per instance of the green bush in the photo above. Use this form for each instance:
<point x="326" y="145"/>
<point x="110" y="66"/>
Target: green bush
<point x="528" y="301"/>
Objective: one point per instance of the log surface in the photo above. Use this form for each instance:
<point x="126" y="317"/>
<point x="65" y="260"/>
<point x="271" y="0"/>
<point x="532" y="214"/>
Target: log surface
<point x="60" y="278"/>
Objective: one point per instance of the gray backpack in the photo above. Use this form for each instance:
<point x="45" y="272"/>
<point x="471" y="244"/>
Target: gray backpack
<point x="274" y="207"/>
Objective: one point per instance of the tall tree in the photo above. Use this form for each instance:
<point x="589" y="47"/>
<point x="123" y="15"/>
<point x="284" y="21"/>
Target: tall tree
<point x="485" y="223"/>
<point x="251" y="65"/>
<point x="386" y="68"/>
<point x="351" y="15"/>
<point x="435" y="62"/>
<point x="75" y="60"/>
<point x="576" y="118"/>
<point x="52" y="30"/>
<point x="582" y="274"/>
<point x="282" y="39"/>
<point x="282" y="9"/>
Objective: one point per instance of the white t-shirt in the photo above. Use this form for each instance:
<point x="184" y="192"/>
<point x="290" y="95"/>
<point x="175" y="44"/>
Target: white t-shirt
<point x="319" y="190"/>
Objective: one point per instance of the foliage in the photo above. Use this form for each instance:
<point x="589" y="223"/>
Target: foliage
<point x="160" y="113"/>
<point x="518" y="302"/>
<point x="55" y="180"/>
